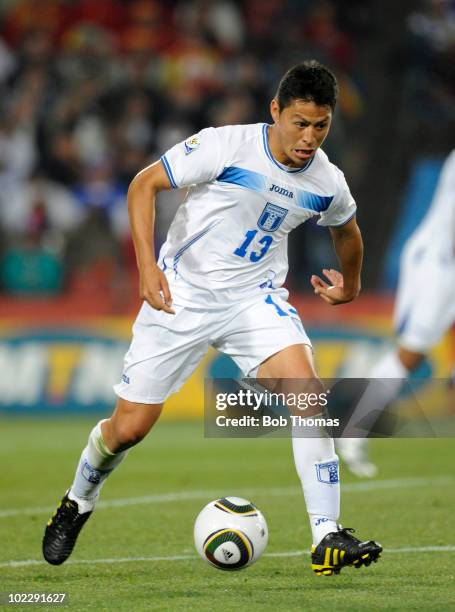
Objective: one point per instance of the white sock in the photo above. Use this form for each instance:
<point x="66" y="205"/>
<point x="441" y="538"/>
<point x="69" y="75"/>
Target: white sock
<point x="389" y="366"/>
<point x="95" y="465"/>
<point x="317" y="466"/>
<point x="386" y="379"/>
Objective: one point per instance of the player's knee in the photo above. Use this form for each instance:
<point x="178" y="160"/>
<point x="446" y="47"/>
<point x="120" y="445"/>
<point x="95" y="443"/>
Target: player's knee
<point x="410" y="359"/>
<point x="314" y="385"/>
<point x="128" y="434"/>
<point x="129" y="424"/>
<point x="308" y="384"/>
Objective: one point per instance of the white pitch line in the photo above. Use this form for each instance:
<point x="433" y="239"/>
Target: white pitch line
<point x="352" y="487"/>
<point x="292" y="553"/>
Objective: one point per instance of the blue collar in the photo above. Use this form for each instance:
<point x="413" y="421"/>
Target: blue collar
<point x="268" y="152"/>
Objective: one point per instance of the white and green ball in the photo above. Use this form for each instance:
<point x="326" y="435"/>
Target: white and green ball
<point x="230" y="533"/>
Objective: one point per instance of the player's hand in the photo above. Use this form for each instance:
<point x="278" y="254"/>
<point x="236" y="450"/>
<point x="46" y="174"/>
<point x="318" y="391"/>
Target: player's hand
<point x="333" y="293"/>
<point x="154" y="289"/>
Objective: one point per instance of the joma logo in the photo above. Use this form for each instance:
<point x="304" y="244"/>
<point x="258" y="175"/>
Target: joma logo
<point x="281" y="191"/>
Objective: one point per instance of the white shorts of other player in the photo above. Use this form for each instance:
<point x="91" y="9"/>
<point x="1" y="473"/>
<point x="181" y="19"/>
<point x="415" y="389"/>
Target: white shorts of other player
<point x="425" y="304"/>
<point x="166" y="348"/>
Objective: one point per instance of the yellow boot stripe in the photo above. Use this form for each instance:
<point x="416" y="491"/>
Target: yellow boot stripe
<point x="321" y="570"/>
<point x="343" y="552"/>
<point x="327" y="557"/>
<point x="335" y="556"/>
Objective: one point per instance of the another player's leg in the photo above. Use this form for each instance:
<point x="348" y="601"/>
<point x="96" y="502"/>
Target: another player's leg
<point x="451" y="392"/>
<point x="421" y="318"/>
<point x="107" y="446"/>
<point x="317" y="466"/>
<point x="391" y="370"/>
<point x="355" y="456"/>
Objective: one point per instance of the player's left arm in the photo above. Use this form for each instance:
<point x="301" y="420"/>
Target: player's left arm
<point x="345" y="285"/>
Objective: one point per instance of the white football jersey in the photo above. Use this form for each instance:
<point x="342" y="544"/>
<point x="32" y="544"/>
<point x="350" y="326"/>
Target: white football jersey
<point x="228" y="240"/>
<point x="436" y="233"/>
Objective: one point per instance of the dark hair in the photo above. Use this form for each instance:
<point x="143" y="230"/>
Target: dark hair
<point x="309" y="81"/>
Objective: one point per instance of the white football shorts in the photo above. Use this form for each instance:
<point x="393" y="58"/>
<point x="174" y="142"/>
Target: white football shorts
<point x="167" y="348"/>
<point x="425" y="303"/>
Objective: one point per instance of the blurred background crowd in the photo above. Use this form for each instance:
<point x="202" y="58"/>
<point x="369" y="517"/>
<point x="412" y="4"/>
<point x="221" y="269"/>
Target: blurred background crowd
<point x="93" y="91"/>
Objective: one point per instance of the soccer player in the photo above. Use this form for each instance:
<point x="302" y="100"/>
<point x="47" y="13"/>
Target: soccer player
<point x="219" y="281"/>
<point x="424" y="311"/>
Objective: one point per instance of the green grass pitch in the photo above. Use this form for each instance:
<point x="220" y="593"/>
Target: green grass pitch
<point x="137" y="553"/>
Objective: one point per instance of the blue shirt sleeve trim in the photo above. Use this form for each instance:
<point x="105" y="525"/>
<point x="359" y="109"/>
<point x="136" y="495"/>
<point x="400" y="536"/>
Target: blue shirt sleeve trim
<point x="168" y="170"/>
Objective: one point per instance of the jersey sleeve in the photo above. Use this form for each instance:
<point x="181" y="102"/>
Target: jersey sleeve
<point x="195" y="160"/>
<point x="342" y="208"/>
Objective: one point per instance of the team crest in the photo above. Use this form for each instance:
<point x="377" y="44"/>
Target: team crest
<point x="91" y="474"/>
<point x="192" y="144"/>
<point x="328" y="472"/>
<point x="271" y="217"/>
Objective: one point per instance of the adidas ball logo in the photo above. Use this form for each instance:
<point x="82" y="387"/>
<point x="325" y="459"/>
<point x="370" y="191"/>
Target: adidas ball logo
<point x="227" y="554"/>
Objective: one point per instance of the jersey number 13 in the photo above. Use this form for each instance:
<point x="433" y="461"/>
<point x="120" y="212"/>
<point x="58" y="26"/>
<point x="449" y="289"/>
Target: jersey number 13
<point x="254" y="256"/>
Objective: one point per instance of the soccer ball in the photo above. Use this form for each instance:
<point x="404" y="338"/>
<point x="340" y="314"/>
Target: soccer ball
<point x="230" y="533"/>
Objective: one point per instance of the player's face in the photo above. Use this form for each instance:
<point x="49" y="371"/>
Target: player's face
<point x="299" y="130"/>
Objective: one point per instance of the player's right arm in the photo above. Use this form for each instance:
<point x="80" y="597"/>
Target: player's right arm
<point x="153" y="285"/>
